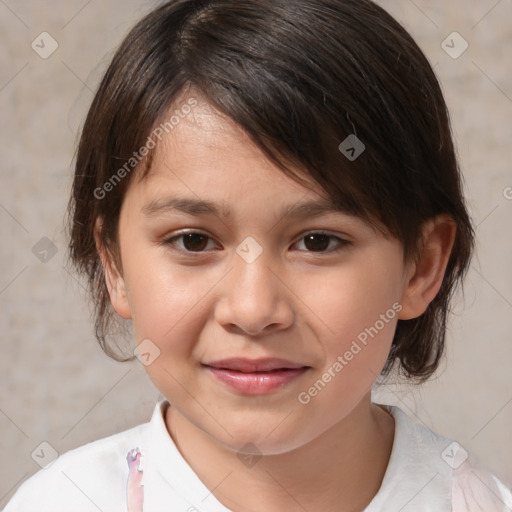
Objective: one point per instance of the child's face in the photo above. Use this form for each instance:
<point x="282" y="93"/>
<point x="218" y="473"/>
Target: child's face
<point x="299" y="300"/>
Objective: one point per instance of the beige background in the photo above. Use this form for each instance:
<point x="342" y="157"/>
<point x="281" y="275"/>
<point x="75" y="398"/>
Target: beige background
<point x="56" y="384"/>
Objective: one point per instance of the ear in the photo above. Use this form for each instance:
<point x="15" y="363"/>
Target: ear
<point x="425" y="275"/>
<point x="113" y="277"/>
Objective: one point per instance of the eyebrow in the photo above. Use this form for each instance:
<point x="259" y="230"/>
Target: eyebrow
<point x="197" y="207"/>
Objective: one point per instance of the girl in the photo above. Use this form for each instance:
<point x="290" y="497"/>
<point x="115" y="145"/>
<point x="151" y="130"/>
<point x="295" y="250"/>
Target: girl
<point x="255" y="129"/>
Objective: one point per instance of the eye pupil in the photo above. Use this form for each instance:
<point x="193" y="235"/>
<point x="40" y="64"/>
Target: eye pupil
<point x="190" y="241"/>
<point x="322" y="245"/>
<point x="198" y="242"/>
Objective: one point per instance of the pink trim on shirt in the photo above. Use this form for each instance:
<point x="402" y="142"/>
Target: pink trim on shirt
<point x="134" y="488"/>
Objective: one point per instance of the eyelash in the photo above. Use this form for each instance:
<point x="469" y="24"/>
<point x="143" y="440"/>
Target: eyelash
<point x="172" y="242"/>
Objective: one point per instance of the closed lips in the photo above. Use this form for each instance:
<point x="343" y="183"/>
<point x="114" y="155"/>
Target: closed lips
<point x="255" y="366"/>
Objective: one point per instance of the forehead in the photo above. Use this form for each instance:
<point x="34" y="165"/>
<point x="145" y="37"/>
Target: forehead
<point x="207" y="166"/>
<point x="207" y="151"/>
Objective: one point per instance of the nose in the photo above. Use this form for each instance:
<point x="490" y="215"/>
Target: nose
<point x="254" y="298"/>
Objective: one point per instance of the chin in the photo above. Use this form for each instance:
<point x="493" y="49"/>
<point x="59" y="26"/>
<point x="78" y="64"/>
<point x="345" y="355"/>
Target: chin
<point x="250" y="438"/>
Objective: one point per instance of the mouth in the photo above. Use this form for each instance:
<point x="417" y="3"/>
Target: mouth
<point x="255" y="376"/>
<point x="255" y="365"/>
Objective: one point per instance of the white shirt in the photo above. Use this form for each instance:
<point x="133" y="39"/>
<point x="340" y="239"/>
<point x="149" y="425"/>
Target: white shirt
<point x="426" y="473"/>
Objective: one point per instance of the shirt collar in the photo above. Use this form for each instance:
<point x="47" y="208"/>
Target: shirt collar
<point x="167" y="477"/>
<point x="415" y="469"/>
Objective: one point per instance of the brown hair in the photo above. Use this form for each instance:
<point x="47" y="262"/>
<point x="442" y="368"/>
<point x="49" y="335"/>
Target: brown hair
<point x="298" y="76"/>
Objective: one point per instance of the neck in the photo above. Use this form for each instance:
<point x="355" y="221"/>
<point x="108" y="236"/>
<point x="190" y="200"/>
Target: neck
<point x="341" y="470"/>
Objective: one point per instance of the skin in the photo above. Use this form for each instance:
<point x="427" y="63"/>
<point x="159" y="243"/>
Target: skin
<point x="294" y="302"/>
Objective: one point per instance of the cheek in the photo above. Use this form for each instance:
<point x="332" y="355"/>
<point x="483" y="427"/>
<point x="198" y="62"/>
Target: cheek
<point x="349" y="300"/>
<point x="358" y="310"/>
<point x="166" y="300"/>
<point x="363" y="314"/>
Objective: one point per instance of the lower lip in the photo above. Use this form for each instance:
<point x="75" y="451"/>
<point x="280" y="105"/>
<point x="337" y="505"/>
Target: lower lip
<point x="259" y="383"/>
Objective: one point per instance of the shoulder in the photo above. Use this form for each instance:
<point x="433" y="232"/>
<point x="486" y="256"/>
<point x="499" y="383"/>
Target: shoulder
<point x="476" y="488"/>
<point x="80" y="477"/>
<point x="428" y="471"/>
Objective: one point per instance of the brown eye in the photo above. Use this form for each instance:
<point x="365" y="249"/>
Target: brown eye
<point x="317" y="242"/>
<point x="194" y="241"/>
<point x="191" y="242"/>
<point x="320" y="242"/>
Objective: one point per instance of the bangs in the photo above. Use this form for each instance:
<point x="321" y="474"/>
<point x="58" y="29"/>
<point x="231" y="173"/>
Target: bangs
<point x="333" y="92"/>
